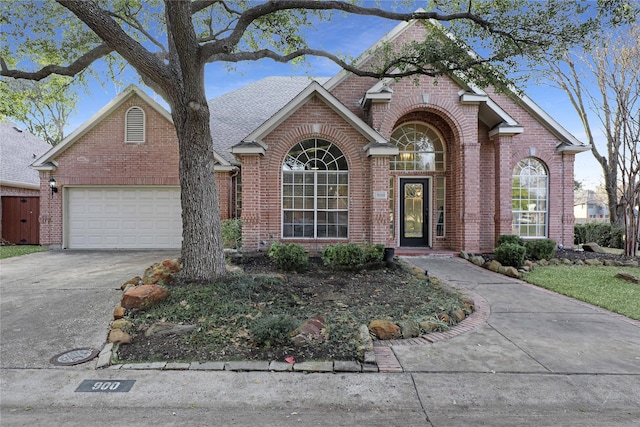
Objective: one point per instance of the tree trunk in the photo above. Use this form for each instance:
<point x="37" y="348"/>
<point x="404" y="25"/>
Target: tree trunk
<point x="202" y="250"/>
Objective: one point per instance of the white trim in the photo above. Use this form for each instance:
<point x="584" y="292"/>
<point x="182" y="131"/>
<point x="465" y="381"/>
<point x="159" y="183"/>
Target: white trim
<point x="224" y="168"/>
<point x="255" y="148"/>
<point x="506" y="130"/>
<point x="133" y="110"/>
<point x="314" y="89"/>
<point x="17" y="184"/>
<point x="381" y="150"/>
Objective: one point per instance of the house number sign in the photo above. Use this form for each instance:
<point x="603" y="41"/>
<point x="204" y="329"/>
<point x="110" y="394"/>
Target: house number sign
<point x="105" y="386"/>
<point x="380" y="195"/>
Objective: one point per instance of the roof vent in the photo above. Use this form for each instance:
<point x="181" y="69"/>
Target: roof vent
<point x="134" y="125"/>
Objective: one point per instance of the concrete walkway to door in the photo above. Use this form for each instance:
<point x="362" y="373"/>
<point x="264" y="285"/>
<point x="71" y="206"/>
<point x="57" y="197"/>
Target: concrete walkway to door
<point x="536" y="345"/>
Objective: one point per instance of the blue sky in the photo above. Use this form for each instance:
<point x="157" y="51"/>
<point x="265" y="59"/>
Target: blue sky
<point x="350" y="36"/>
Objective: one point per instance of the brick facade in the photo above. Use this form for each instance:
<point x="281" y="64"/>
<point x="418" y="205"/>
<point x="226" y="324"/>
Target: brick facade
<point x="478" y="172"/>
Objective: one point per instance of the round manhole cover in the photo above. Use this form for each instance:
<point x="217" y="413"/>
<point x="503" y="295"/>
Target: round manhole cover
<point x="74" y="357"/>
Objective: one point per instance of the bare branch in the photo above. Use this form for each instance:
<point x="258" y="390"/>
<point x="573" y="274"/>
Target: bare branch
<point x="70" y="70"/>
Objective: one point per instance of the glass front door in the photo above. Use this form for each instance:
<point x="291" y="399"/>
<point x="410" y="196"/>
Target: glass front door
<point x="414" y="212"/>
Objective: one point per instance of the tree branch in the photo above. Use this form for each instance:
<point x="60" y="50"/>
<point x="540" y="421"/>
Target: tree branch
<point x="70" y="70"/>
<point x="250" y="15"/>
<point x="385" y="72"/>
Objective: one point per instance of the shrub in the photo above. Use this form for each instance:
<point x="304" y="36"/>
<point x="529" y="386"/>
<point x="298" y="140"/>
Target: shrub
<point x="541" y="249"/>
<point x="273" y="330"/>
<point x="604" y="234"/>
<point x="373" y="254"/>
<point x="289" y="256"/>
<point x="510" y="254"/>
<point x="510" y="238"/>
<point x="349" y="256"/>
<point x="232" y="233"/>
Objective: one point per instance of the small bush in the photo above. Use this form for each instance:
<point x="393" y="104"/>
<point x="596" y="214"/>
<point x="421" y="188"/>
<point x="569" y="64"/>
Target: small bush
<point x="510" y="238"/>
<point x="541" y="249"/>
<point x="349" y="256"/>
<point x="510" y="254"/>
<point x="232" y="233"/>
<point x="289" y="256"/>
<point x="268" y="331"/>
<point x="373" y="254"/>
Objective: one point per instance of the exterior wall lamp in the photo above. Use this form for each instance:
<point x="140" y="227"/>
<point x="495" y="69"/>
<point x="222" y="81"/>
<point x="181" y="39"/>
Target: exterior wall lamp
<point x="53" y="186"/>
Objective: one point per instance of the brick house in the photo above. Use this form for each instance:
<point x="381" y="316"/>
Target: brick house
<point x="409" y="164"/>
<point x="19" y="184"/>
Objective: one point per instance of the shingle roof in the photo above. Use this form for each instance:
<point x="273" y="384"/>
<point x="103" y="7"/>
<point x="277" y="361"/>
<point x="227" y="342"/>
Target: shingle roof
<point x="236" y="114"/>
<point x="18" y="149"/>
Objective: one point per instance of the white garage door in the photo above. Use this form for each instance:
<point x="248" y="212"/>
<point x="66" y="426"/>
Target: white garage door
<point x="123" y="218"/>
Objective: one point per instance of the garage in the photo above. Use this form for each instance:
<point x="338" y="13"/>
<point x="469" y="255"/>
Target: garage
<point x="123" y="218"/>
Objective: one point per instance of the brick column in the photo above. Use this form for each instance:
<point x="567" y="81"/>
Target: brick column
<point x="251" y="191"/>
<point x="568" y="217"/>
<point x="223" y="185"/>
<point x="380" y="200"/>
<point x="503" y="183"/>
<point x="470" y="212"/>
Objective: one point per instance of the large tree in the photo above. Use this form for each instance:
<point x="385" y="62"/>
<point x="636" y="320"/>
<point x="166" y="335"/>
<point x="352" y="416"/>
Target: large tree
<point x="169" y="43"/>
<point x="602" y="82"/>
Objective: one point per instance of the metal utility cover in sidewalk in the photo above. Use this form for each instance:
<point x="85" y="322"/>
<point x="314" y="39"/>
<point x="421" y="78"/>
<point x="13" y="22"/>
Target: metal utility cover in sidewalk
<point x="74" y="357"/>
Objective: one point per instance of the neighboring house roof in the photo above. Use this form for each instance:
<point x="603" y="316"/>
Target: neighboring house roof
<point x="237" y="114"/>
<point x="47" y="161"/>
<point x="18" y="149"/>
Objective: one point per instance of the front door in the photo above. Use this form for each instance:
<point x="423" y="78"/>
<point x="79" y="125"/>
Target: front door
<point x="414" y="212"/>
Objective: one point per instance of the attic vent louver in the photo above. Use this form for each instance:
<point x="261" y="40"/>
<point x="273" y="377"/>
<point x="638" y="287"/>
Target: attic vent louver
<point x="134" y="125"/>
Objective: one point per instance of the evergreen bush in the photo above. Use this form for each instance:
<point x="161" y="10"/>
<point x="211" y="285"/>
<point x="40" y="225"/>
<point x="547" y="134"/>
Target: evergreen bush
<point x="510" y="238"/>
<point x="541" y="249"/>
<point x="273" y="330"/>
<point x="289" y="256"/>
<point x="232" y="233"/>
<point x="510" y="254"/>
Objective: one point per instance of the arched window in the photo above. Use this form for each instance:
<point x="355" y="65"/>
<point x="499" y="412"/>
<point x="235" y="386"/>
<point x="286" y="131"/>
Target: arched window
<point x="421" y="148"/>
<point x="315" y="191"/>
<point x="529" y="201"/>
<point x="134" y="126"/>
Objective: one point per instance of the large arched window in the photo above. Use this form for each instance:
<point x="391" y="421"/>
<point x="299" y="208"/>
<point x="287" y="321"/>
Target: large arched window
<point x="529" y="201"/>
<point x="421" y="148"/>
<point x="315" y="191"/>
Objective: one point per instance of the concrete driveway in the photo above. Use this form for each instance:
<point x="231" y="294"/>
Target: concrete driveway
<point x="56" y="301"/>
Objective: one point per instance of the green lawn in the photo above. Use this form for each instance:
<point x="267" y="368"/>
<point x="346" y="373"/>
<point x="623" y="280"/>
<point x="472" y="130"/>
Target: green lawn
<point x="10" y="251"/>
<point x="595" y="285"/>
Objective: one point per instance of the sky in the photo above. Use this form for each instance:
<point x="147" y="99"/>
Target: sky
<point x="351" y="36"/>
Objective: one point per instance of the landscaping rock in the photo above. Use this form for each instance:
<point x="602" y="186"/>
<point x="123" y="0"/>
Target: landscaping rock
<point x="409" y="329"/>
<point x="119" y="312"/>
<point x="161" y="273"/>
<point x="385" y="330"/>
<point x="631" y="263"/>
<point x="628" y="277"/>
<point x="311" y="330"/>
<point x="118" y="336"/>
<point x="529" y="264"/>
<point x="165" y="328"/>
<point x="543" y="262"/>
<point x="459" y="315"/>
<point x="593" y="262"/>
<point x="493" y="266"/>
<point x="365" y="342"/>
<point x="430" y="326"/>
<point x="511" y="272"/>
<point x="554" y="261"/>
<point x="477" y="260"/>
<point x="566" y="261"/>
<point x="444" y="317"/>
<point x="134" y="281"/>
<point x="464" y="255"/>
<point x="593" y="247"/>
<point x="143" y="297"/>
<point x="609" y="262"/>
<point x="122" y="324"/>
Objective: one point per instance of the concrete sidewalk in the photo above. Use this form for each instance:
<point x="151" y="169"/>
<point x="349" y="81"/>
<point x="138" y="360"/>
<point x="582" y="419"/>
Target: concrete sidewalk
<point x="539" y="359"/>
